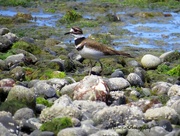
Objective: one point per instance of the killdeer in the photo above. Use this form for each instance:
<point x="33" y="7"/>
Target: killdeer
<point x="90" y="49"/>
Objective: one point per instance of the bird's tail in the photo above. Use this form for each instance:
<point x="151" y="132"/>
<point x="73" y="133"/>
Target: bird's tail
<point x="124" y="54"/>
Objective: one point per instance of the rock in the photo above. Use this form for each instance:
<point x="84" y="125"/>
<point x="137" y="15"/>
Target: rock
<point x="5" y="131"/>
<point x="117" y="83"/>
<point x="166" y="124"/>
<point x="135" y="93"/>
<point x="91" y="88"/>
<point x="18" y="73"/>
<point x="27" y="126"/>
<point x="88" y="127"/>
<point x="7" y="82"/>
<point x="40" y="133"/>
<point x="161" y="87"/>
<point x="60" y="62"/>
<point x="96" y="70"/>
<point x="9" y="124"/>
<point x="150" y="61"/>
<point x="24" y="114"/>
<point x="61" y="107"/>
<point x="29" y="57"/>
<point x="140" y="72"/>
<point x="162" y="113"/>
<point x="133" y="63"/>
<point x="146" y="91"/>
<point x="174" y="90"/>
<point x="155" y="131"/>
<point x="110" y="117"/>
<point x="135" y="132"/>
<point x="5" y="44"/>
<point x="105" y="132"/>
<point x="14" y="60"/>
<point x="176" y="106"/>
<point x="72" y="132"/>
<point x="57" y="83"/>
<point x="22" y="94"/>
<point x="4" y="31"/>
<point x="89" y="107"/>
<point x="136" y="124"/>
<point x="11" y="37"/>
<point x="119" y="97"/>
<point x="41" y="88"/>
<point x="172" y="100"/>
<point x="2" y="65"/>
<point x="117" y="73"/>
<point x="135" y="80"/>
<point x="69" y="89"/>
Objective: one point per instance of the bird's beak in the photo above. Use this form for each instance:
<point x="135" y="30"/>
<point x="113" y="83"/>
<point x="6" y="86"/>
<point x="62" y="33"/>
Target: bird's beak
<point x="67" y="33"/>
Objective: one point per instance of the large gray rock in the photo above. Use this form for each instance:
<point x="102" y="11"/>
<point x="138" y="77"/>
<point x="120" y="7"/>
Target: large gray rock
<point x="162" y="113"/>
<point x="61" y="107"/>
<point x="135" y="80"/>
<point x="5" y="132"/>
<point x="24" y="114"/>
<point x="22" y="94"/>
<point x="10" y="125"/>
<point x="117" y="83"/>
<point x="11" y="37"/>
<point x="150" y="61"/>
<point x="161" y="87"/>
<point x="5" y="44"/>
<point x="110" y="117"/>
<point x="72" y="132"/>
<point x="15" y="59"/>
<point x="91" y="88"/>
<point x="41" y="88"/>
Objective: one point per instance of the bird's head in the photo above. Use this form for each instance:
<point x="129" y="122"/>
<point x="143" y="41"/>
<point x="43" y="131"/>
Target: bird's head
<point x="75" y="31"/>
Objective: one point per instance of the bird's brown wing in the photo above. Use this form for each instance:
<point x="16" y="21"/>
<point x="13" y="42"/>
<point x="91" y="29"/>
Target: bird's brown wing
<point x="105" y="49"/>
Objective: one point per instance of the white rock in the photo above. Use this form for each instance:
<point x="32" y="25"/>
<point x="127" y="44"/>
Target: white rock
<point x="91" y="88"/>
<point x="162" y="113"/>
<point x="174" y="90"/>
<point x="117" y="83"/>
<point x="150" y="61"/>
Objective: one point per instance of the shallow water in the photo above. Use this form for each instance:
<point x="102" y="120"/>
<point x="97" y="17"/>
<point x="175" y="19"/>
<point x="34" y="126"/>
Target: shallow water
<point x="161" y="33"/>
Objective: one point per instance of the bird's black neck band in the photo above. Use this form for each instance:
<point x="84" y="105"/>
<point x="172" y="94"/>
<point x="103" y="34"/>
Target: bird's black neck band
<point x="79" y="40"/>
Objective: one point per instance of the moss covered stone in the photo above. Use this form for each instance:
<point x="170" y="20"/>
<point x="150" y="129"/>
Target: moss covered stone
<point x="12" y="106"/>
<point x="27" y="47"/>
<point x="23" y="95"/>
<point x="56" y="124"/>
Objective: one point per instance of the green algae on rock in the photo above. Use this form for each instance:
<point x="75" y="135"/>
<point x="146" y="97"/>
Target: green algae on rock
<point x="56" y="124"/>
<point x="41" y="100"/>
<point x="27" y="47"/>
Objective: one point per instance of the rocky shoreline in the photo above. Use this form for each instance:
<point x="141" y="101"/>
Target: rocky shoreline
<point x="41" y="97"/>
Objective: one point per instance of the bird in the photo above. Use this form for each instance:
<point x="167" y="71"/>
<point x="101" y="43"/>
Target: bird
<point x="91" y="49"/>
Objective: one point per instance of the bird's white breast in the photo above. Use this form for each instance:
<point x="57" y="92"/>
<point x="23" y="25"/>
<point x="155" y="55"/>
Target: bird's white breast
<point x="90" y="53"/>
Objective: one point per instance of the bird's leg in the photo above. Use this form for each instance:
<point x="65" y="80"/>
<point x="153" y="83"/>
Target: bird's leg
<point x="101" y="65"/>
<point x="90" y="66"/>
